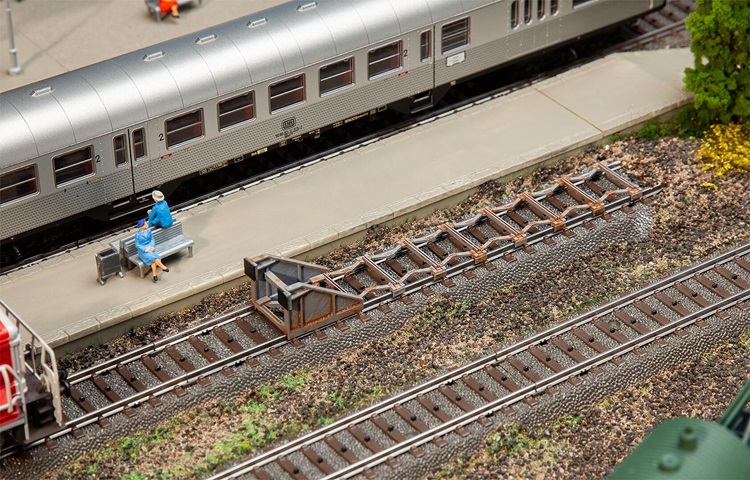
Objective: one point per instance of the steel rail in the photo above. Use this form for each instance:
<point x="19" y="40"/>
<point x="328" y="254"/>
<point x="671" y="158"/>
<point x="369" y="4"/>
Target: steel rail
<point x="649" y="36"/>
<point x="205" y="327"/>
<point x="162" y="389"/>
<point x="387" y="132"/>
<point x="536" y="388"/>
<point x="158" y="345"/>
<point x="499" y="356"/>
<point x="468" y="264"/>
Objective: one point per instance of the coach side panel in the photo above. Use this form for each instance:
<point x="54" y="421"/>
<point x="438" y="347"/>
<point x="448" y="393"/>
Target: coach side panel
<point x="66" y="183"/>
<point x="214" y="147"/>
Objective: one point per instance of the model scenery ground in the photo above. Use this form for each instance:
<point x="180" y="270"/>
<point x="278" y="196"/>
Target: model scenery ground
<point x="692" y="221"/>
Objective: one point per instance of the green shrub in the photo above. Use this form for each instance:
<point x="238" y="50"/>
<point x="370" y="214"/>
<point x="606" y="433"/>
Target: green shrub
<point x="720" y="79"/>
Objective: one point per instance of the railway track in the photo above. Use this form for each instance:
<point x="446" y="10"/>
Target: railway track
<point x="218" y="346"/>
<point x="659" y="26"/>
<point x="375" y="437"/>
<point x="121" y="384"/>
<point x="653" y="27"/>
<point x="295" y="296"/>
<point x="669" y="18"/>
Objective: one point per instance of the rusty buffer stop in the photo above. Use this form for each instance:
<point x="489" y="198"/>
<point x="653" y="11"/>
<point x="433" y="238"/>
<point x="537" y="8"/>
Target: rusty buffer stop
<point x="297" y="296"/>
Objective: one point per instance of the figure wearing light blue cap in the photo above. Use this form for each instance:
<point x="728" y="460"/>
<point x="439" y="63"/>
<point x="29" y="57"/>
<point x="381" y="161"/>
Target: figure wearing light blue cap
<point x="159" y="216"/>
<point x="144" y="242"/>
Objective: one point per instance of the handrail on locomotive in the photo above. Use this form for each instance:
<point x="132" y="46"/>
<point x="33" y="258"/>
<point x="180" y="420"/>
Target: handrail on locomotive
<point x="38" y="359"/>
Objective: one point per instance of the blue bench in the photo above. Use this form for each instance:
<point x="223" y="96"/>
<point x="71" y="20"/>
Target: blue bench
<point x="168" y="241"/>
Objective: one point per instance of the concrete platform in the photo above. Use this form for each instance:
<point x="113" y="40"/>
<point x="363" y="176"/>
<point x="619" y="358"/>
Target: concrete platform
<point x="292" y="215"/>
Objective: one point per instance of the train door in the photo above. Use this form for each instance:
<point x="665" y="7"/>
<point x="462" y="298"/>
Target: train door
<point x="547" y="15"/>
<point x="122" y="155"/>
<point x="121" y="179"/>
<point x="534" y="24"/>
<point x="138" y="153"/>
<point x="426" y="51"/>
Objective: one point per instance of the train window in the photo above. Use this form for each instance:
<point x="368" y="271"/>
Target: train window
<point x="336" y="76"/>
<point x="554" y="7"/>
<point x="184" y="128"/>
<point x="540" y="6"/>
<point x="236" y="110"/>
<point x="526" y="11"/>
<point x="74" y="165"/>
<point x="425" y="45"/>
<point x="577" y="3"/>
<point x="121" y="153"/>
<point x="139" y="143"/>
<point x="18" y="184"/>
<point x="384" y="59"/>
<point x="455" y="35"/>
<point x="514" y="14"/>
<point x="287" y="92"/>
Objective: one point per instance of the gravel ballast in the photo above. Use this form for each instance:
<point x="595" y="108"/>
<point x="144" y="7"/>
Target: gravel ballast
<point x="691" y="221"/>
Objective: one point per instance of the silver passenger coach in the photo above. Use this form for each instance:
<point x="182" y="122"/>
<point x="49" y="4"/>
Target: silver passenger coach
<point x="97" y="140"/>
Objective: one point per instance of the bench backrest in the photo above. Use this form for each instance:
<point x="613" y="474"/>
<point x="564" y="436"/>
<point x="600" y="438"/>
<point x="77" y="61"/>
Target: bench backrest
<point x="161" y="235"/>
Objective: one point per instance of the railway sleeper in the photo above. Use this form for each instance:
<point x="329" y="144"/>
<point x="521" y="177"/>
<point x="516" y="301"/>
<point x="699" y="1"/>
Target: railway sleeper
<point x="371" y="444"/>
<point x="392" y="432"/>
<point x="299" y="297"/>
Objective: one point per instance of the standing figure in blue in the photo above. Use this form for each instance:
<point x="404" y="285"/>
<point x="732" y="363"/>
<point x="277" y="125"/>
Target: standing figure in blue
<point x="159" y="216"/>
<point x="144" y="242"/>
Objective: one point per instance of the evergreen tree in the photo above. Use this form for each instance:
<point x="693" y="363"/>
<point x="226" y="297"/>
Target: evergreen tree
<point x="720" y="80"/>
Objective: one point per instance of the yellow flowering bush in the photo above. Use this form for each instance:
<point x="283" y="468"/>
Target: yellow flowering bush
<point x="726" y="148"/>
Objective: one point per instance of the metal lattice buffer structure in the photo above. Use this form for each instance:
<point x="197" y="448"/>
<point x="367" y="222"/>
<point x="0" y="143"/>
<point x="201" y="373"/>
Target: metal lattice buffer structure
<point x="297" y="296"/>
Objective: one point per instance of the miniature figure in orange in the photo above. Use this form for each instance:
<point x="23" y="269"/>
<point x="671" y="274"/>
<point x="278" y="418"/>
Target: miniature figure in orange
<point x="169" y="5"/>
<point x="144" y="242"/>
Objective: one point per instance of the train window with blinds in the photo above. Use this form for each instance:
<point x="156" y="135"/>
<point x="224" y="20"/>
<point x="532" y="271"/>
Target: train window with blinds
<point x="526" y="11"/>
<point x="455" y="35"/>
<point x="514" y="14"/>
<point x="554" y="7"/>
<point x="236" y="110"/>
<point x="184" y="128"/>
<point x="74" y="165"/>
<point x="425" y="45"/>
<point x="336" y="76"/>
<point x="287" y="93"/>
<point x="540" y="6"/>
<point x="139" y="143"/>
<point x="383" y="60"/>
<point x="18" y="184"/>
<point x="121" y="152"/>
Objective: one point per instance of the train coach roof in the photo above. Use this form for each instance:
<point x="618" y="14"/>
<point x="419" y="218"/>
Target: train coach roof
<point x="74" y="107"/>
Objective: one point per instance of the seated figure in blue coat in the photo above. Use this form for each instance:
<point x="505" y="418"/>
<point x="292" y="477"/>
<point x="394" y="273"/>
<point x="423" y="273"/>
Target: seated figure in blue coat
<point x="144" y="242"/>
<point x="159" y="216"/>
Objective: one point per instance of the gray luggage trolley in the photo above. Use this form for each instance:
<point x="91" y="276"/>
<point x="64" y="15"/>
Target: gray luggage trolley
<point x="108" y="264"/>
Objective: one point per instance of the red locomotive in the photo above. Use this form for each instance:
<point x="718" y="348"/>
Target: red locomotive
<point x="29" y="383"/>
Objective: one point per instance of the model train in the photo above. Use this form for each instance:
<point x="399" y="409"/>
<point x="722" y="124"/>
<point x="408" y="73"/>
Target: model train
<point x="30" y="404"/>
<point x="94" y="142"/>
